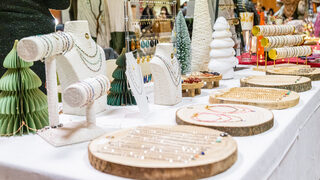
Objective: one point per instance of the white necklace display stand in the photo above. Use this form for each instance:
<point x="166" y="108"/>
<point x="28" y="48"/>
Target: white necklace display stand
<point x="51" y="47"/>
<point x="73" y="66"/>
<point x="167" y="77"/>
<point x="134" y="77"/>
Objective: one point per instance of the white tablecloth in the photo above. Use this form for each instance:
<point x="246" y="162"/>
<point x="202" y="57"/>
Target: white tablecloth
<point x="290" y="150"/>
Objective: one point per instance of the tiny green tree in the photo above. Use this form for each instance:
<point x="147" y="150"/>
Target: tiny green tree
<point x="182" y="44"/>
<point x="120" y="94"/>
<point x="23" y="107"/>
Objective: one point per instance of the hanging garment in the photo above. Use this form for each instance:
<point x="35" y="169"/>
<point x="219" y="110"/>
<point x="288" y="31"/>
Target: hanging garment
<point x="247" y="6"/>
<point x="94" y="11"/>
<point x="115" y="12"/>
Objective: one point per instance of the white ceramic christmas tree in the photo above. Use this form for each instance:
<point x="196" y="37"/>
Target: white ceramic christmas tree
<point x="222" y="52"/>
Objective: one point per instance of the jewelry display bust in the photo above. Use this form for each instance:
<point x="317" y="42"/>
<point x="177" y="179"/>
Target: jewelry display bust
<point x="86" y="59"/>
<point x="167" y="78"/>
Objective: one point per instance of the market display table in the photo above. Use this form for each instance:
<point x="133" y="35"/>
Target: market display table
<point x="289" y="150"/>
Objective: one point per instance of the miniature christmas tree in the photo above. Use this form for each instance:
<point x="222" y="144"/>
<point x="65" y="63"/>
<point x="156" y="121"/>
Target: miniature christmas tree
<point x="119" y="94"/>
<point x="222" y="53"/>
<point x="23" y="107"/>
<point x="182" y="44"/>
<point x="200" y="36"/>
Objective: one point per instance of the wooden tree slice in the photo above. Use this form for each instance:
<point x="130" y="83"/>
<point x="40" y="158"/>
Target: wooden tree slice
<point x="210" y="81"/>
<point x="191" y="90"/>
<point x="237" y="120"/>
<point x="312" y="73"/>
<point x="161" y="148"/>
<point x="270" y="98"/>
<point x="292" y="83"/>
<point x="264" y="68"/>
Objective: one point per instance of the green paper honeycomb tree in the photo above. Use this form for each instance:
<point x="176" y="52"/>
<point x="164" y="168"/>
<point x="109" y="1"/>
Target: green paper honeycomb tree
<point x="23" y="107"/>
<point x="119" y="94"/>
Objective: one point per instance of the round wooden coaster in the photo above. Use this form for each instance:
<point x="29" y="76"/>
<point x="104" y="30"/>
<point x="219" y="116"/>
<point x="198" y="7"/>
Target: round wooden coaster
<point x="292" y="83"/>
<point x="269" y="98"/>
<point x="312" y="73"/>
<point x="237" y="120"/>
<point x="163" y="152"/>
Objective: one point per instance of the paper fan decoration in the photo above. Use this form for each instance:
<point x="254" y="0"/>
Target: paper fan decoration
<point x="120" y="94"/>
<point x="23" y="107"/>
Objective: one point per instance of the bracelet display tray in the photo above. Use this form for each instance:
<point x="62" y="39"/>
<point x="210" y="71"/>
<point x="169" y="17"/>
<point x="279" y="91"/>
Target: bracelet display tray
<point x="312" y="73"/>
<point x="237" y="120"/>
<point x="138" y="161"/>
<point x="269" y="98"/>
<point x="292" y="83"/>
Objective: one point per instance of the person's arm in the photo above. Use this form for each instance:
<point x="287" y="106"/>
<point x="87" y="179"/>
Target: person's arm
<point x="57" y="4"/>
<point x="256" y="15"/>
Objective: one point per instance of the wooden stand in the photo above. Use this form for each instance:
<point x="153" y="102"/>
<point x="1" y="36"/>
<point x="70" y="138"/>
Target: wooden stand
<point x="210" y="81"/>
<point x="270" y="67"/>
<point x="292" y="83"/>
<point x="246" y="121"/>
<point x="191" y="90"/>
<point x="218" y="158"/>
<point x="261" y="97"/>
<point x="314" y="75"/>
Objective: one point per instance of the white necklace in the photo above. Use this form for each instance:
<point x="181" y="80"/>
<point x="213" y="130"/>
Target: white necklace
<point x="92" y="62"/>
<point x="173" y="69"/>
<point x="135" y="78"/>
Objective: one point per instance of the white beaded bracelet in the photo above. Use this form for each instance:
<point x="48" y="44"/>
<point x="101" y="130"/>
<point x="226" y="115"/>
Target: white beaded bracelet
<point x="86" y="91"/>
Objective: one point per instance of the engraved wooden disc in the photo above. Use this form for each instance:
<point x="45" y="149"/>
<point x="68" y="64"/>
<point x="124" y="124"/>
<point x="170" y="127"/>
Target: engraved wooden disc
<point x="216" y="158"/>
<point x="237" y="120"/>
<point x="292" y="83"/>
<point x="270" y="98"/>
<point x="312" y="73"/>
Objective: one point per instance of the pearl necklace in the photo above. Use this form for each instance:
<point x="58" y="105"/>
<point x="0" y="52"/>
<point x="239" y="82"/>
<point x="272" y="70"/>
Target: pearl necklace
<point x="160" y="144"/>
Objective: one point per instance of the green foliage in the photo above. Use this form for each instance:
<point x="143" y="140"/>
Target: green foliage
<point x="23" y="107"/>
<point x="182" y="43"/>
<point x="119" y="94"/>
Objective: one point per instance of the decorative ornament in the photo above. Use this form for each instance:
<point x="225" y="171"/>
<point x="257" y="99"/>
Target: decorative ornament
<point x="23" y="107"/>
<point x="182" y="44"/>
<point x="200" y="37"/>
<point x="120" y="94"/>
<point x="222" y="53"/>
<point x="87" y="36"/>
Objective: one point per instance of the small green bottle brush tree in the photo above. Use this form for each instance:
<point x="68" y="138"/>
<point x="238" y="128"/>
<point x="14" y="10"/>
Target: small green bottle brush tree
<point x="23" y="107"/>
<point x="182" y="44"/>
<point x="120" y="94"/>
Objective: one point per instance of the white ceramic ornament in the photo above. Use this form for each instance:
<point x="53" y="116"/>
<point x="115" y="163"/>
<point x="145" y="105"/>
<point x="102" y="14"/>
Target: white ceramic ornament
<point x="222" y="53"/>
<point x="200" y="36"/>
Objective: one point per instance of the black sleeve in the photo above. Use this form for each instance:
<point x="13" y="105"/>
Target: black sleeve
<point x="57" y="4"/>
<point x="256" y="15"/>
